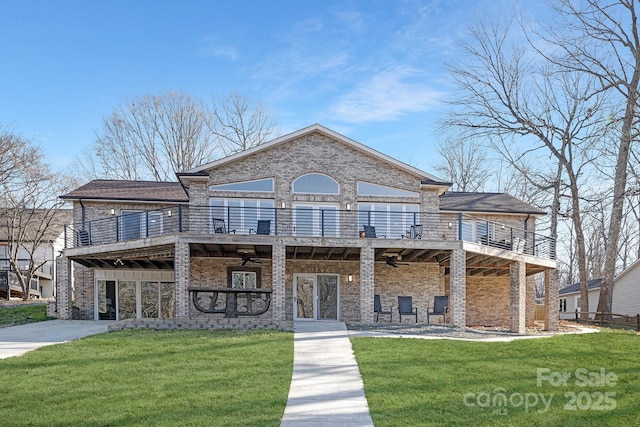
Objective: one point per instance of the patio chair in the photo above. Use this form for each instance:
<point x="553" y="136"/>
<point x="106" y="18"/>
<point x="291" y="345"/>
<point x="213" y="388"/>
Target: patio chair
<point x="377" y="308"/>
<point x="406" y="308"/>
<point x="414" y="232"/>
<point x="83" y="238"/>
<point x="220" y="227"/>
<point x="370" y="232"/>
<point x="264" y="227"/>
<point x="440" y="307"/>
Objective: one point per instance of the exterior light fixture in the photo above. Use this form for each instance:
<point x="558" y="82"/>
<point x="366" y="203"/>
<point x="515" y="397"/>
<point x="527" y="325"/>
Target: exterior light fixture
<point x="169" y="213"/>
<point x="450" y="224"/>
<point x="283" y="205"/>
<point x="113" y="211"/>
<point x="350" y="278"/>
<point x="348" y="206"/>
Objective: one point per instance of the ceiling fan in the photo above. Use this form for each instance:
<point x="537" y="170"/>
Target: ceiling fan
<point x="246" y="258"/>
<point x="393" y="262"/>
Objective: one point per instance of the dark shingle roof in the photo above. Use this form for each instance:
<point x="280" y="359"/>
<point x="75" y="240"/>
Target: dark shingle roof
<point x="592" y="284"/>
<point x="152" y="191"/>
<point x="485" y="202"/>
<point x="32" y="222"/>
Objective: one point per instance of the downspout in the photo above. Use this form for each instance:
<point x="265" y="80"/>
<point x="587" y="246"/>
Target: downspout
<point x="82" y="212"/>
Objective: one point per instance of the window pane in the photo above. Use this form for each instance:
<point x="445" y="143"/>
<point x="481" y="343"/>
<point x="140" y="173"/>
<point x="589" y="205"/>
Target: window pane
<point x="167" y="300"/>
<point x="126" y="299"/>
<point x="131" y="225"/>
<point x="316" y="183"/>
<point x="368" y="189"/>
<point x="149" y="300"/>
<point x="262" y="185"/>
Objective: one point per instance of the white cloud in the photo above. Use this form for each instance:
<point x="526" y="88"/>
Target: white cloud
<point x="213" y="47"/>
<point x="388" y="96"/>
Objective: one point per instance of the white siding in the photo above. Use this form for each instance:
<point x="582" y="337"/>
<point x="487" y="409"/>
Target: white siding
<point x="626" y="292"/>
<point x="572" y="304"/>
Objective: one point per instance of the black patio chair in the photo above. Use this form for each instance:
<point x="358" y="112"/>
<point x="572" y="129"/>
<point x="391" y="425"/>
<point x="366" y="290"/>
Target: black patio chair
<point x="83" y="238"/>
<point x="370" y="232"/>
<point x="377" y="308"/>
<point x="264" y="227"/>
<point x="406" y="308"/>
<point x="219" y="226"/>
<point x="440" y="308"/>
<point x="414" y="232"/>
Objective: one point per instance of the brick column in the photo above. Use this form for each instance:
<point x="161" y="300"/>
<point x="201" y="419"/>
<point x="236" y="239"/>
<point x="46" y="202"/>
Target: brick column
<point x="518" y="297"/>
<point x="182" y="267"/>
<point x="551" y="297"/>
<point x="278" y="264"/>
<point x="366" y="284"/>
<point x="458" y="288"/>
<point x="63" y="288"/>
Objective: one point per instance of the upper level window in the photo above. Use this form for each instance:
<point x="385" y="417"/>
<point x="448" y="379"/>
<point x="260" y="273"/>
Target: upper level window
<point x="258" y="185"/>
<point x="369" y="189"/>
<point x="316" y="183"/>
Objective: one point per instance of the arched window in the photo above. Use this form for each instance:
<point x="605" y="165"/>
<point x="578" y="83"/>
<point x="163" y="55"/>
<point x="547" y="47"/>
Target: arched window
<point x="316" y="183"/>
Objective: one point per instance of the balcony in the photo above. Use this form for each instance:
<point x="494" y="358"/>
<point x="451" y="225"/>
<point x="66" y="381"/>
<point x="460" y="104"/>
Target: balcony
<point x="307" y="222"/>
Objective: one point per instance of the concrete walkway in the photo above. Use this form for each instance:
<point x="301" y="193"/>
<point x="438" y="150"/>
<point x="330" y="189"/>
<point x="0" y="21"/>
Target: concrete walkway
<point x="326" y="387"/>
<point x="17" y="340"/>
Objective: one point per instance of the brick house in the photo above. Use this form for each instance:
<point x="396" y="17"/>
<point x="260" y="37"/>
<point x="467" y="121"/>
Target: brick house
<point x="319" y="224"/>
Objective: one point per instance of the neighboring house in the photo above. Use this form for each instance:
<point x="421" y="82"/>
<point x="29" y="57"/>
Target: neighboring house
<point x="625" y="299"/>
<point x="43" y="283"/>
<point x="318" y="223"/>
<point x="569" y="300"/>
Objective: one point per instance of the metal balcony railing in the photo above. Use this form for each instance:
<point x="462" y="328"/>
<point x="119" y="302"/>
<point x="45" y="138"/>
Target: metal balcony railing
<point x="307" y="222"/>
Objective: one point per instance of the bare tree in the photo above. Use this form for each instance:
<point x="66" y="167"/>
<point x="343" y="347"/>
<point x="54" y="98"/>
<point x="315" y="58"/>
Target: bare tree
<point x="152" y="137"/>
<point x="508" y="95"/>
<point x="464" y="163"/>
<point x="29" y="212"/>
<point x="237" y="124"/>
<point x="600" y="39"/>
<point x="15" y="153"/>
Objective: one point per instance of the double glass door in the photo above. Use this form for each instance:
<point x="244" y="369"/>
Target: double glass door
<point x="130" y="299"/>
<point x="315" y="297"/>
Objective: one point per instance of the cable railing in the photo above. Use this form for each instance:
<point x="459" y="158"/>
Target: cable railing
<point x="327" y="222"/>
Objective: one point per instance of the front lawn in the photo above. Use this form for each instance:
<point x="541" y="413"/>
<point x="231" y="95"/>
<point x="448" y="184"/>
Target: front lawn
<point x="20" y="314"/>
<point x="570" y="380"/>
<point x="144" y="378"/>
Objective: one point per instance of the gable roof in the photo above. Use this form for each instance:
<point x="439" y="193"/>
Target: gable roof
<point x="32" y="220"/>
<point x="572" y="289"/>
<point x="147" y="191"/>
<point x="627" y="270"/>
<point x="485" y="202"/>
<point x="427" y="179"/>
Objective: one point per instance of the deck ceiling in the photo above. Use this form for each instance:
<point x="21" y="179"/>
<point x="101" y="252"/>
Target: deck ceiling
<point x="162" y="257"/>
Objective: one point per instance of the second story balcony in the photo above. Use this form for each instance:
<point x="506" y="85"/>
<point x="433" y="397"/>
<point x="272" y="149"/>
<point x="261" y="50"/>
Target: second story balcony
<point x="316" y="222"/>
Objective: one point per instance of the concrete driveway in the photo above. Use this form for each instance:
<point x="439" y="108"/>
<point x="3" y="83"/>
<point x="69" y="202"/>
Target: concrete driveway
<point x="17" y="340"/>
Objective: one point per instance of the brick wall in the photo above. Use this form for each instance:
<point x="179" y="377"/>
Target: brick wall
<point x="421" y="281"/>
<point x="83" y="292"/>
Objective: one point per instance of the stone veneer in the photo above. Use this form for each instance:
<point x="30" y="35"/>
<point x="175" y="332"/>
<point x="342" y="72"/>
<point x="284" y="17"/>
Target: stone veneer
<point x="201" y="323"/>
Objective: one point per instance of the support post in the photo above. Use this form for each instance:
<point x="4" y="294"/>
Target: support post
<point x="182" y="266"/>
<point x="458" y="288"/>
<point x="366" y="283"/>
<point x="279" y="260"/>
<point x="551" y="300"/>
<point x="518" y="297"/>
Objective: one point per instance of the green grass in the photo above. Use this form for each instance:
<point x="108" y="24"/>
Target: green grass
<point x="18" y="315"/>
<point x="151" y="378"/>
<point x="424" y="382"/>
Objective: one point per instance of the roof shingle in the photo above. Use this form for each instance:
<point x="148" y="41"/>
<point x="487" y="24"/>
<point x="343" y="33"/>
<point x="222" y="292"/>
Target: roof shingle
<point x="152" y="191"/>
<point x="485" y="202"/>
